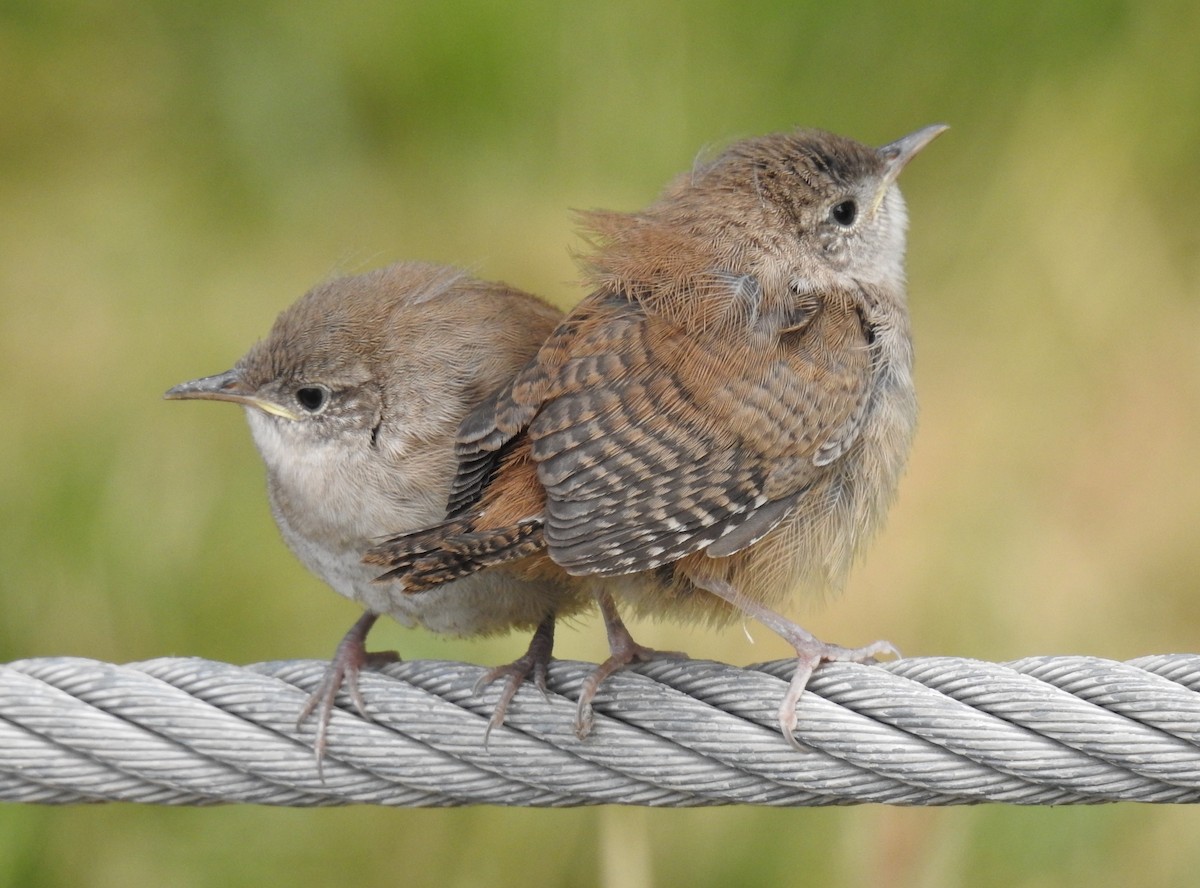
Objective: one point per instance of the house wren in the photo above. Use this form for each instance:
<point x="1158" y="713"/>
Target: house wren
<point x="725" y="418"/>
<point x="353" y="401"/>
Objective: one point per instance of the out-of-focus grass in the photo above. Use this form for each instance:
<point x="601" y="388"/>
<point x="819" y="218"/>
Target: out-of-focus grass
<point x="172" y="175"/>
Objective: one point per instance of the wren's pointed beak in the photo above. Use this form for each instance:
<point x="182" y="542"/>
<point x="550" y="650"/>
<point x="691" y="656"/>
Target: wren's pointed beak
<point x="897" y="154"/>
<point x="225" y="386"/>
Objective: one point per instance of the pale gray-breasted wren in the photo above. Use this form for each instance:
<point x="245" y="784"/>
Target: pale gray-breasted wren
<point x="353" y="401"/>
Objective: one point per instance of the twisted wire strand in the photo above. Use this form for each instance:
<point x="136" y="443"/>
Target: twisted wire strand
<point x="670" y="733"/>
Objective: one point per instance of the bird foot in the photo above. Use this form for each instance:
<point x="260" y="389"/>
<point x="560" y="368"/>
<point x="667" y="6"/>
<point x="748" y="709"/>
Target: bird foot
<point x="632" y="653"/>
<point x="811" y="653"/>
<point x="533" y="663"/>
<point x="348" y="661"/>
<point x="624" y="650"/>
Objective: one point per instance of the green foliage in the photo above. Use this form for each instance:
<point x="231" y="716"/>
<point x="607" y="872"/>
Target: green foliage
<point x="173" y="174"/>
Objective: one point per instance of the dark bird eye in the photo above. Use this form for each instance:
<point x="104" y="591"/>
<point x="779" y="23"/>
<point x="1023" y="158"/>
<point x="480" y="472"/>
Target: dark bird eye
<point x="311" y="398"/>
<point x="844" y="213"/>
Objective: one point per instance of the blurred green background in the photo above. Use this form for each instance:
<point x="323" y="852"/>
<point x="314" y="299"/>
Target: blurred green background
<point x="174" y="174"/>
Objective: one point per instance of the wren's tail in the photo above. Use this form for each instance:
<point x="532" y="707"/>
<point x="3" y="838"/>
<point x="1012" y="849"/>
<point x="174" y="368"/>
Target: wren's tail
<point x="434" y="555"/>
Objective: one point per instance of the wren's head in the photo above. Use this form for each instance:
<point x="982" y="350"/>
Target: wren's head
<point x="364" y="372"/>
<point x="804" y="209"/>
<point x="315" y="380"/>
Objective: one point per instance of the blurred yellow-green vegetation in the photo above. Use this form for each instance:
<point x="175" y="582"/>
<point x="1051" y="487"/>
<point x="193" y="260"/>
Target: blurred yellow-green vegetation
<point x="174" y="174"/>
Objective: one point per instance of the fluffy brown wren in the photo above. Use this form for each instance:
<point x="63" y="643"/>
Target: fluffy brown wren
<point x="353" y="401"/>
<point x="725" y="418"/>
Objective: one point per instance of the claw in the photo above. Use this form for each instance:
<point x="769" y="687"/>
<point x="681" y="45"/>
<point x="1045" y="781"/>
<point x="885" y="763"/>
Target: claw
<point x="343" y="670"/>
<point x="533" y="662"/>
<point x="624" y="650"/>
<point x="811" y="652"/>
